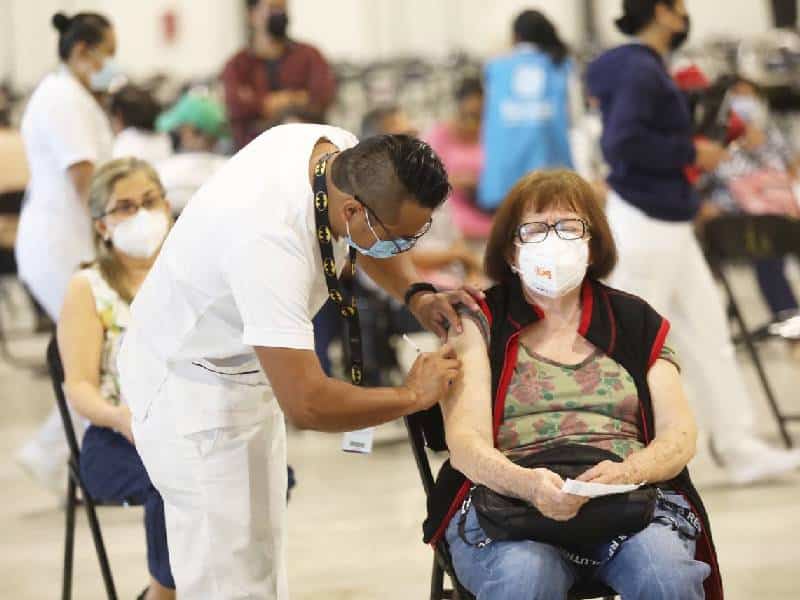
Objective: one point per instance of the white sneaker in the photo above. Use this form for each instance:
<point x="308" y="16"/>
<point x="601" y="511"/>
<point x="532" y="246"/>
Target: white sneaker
<point x="752" y="460"/>
<point x="43" y="468"/>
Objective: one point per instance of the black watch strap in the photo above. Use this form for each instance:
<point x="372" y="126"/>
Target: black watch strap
<point x="416" y="288"/>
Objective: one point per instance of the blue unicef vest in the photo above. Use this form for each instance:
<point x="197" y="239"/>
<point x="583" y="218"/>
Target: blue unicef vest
<point x="525" y="120"/>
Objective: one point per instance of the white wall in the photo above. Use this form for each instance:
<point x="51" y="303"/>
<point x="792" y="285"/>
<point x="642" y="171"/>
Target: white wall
<point x="359" y="30"/>
<point x="208" y="31"/>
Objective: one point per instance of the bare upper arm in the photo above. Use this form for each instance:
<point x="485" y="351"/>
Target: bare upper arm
<point x="81" y="175"/>
<point x="293" y="374"/>
<point x="80" y="334"/>
<point x="469" y="406"/>
<point x="670" y="406"/>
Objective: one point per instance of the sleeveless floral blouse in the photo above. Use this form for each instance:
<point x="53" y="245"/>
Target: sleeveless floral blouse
<point x="114" y="314"/>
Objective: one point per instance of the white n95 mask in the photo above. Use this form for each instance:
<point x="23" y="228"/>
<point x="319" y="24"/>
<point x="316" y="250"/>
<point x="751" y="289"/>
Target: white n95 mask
<point x="553" y="267"/>
<point x="142" y="234"/>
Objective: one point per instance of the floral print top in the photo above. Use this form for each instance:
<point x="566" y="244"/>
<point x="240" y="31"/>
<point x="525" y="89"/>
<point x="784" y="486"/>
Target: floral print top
<point x="114" y="314"/>
<point x="594" y="402"/>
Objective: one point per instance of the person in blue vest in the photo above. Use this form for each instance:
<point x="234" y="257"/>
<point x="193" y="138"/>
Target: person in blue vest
<point x="526" y="109"/>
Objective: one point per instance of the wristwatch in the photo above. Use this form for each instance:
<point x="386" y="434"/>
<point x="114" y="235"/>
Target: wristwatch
<point x="416" y="288"/>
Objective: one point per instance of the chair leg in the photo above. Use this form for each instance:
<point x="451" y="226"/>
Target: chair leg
<point x="69" y="539"/>
<point x="756" y="358"/>
<point x="97" y="536"/>
<point x="437" y="581"/>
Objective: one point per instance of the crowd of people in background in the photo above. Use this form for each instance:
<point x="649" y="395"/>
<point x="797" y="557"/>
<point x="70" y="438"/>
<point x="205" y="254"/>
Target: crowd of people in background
<point x="109" y="167"/>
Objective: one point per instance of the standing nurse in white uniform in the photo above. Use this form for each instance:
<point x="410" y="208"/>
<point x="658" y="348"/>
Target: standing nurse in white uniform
<point x="67" y="136"/>
<point x="221" y="343"/>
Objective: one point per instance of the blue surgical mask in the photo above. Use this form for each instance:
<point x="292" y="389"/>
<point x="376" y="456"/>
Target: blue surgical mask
<point x="381" y="248"/>
<point x="101" y="80"/>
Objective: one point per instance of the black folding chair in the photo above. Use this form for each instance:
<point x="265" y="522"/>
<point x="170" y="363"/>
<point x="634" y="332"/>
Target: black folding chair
<point x="73" y="484"/>
<point x="743" y="239"/>
<point x="426" y="430"/>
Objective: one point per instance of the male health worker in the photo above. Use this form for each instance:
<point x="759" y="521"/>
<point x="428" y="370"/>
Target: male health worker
<point x="220" y="344"/>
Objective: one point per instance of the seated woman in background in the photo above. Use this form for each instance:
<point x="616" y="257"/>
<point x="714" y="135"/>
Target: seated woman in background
<point x="761" y="176"/>
<point x="196" y="124"/>
<point x="132" y="219"/>
<point x="133" y="118"/>
<point x="458" y="142"/>
<point x="559" y="361"/>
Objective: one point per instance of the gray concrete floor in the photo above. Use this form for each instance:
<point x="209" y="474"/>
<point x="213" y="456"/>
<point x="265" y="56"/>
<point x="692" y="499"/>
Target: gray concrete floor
<point x="355" y="520"/>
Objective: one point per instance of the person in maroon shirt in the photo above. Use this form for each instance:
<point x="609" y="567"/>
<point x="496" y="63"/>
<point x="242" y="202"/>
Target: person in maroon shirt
<point x="273" y="75"/>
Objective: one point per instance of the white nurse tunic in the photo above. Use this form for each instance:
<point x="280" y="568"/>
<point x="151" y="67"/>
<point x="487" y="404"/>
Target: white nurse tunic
<point x="63" y="125"/>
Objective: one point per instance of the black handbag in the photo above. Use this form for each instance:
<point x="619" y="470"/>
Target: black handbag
<point x="600" y="520"/>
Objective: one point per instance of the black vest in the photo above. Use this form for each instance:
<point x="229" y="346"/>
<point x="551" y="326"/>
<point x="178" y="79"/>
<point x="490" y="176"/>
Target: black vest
<point x="626" y="329"/>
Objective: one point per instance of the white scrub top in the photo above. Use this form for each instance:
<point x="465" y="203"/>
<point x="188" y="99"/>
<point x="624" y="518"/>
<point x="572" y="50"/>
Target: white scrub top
<point x="241" y="268"/>
<point x="183" y="174"/>
<point x="149" y="146"/>
<point x="63" y="125"/>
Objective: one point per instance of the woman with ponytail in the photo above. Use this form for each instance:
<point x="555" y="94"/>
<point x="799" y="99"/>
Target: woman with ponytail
<point x="526" y="108"/>
<point x="131" y="220"/>
<point x="648" y="143"/>
<point x="67" y="136"/>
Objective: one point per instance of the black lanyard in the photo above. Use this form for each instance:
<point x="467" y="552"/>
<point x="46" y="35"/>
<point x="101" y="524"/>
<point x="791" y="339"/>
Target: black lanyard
<point x="346" y="302"/>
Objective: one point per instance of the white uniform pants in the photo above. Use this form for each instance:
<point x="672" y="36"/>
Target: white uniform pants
<point x="224" y="494"/>
<point x="662" y="262"/>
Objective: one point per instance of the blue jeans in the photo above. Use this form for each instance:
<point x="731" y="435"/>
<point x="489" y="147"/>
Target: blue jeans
<point x="112" y="471"/>
<point x="774" y="285"/>
<point x="655" y="564"/>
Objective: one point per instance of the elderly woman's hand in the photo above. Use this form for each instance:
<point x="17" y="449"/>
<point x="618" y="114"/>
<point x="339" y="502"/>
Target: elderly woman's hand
<point x="610" y="472"/>
<point x="550" y="500"/>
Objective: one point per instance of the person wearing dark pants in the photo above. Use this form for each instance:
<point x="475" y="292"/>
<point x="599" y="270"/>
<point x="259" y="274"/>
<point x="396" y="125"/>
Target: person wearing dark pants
<point x="112" y="471"/>
<point x="774" y="286"/>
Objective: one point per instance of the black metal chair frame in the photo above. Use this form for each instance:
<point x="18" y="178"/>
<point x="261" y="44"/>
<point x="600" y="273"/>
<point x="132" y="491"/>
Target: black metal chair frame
<point x="441" y="555"/>
<point x="74" y="484"/>
<point x="743" y="239"/>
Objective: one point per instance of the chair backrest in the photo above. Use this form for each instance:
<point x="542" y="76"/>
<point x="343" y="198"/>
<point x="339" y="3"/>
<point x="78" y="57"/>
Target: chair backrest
<point x="745" y="238"/>
<point x="56" y="370"/>
<point x="417" y="440"/>
<point x="426" y="430"/>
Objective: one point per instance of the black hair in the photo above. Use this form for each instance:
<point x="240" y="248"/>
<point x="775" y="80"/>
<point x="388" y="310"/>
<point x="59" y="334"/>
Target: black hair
<point x="534" y="27"/>
<point x="136" y="107"/>
<point x="385" y="170"/>
<point x="469" y="86"/>
<point x="638" y="14"/>
<point x="251" y="4"/>
<point x="5" y="105"/>
<point x="372" y="122"/>
<point x="82" y="27"/>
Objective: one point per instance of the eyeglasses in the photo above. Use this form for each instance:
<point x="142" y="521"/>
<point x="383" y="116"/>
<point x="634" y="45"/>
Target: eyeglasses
<point x="536" y="231"/>
<point x="128" y="208"/>
<point x="402" y="243"/>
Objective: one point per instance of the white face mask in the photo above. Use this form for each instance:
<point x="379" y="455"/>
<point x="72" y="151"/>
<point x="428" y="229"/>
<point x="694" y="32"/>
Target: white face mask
<point x="751" y="110"/>
<point x="142" y="234"/>
<point x="553" y="267"/>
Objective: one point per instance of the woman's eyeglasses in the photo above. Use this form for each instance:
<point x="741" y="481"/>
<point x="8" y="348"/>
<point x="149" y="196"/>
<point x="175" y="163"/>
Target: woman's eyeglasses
<point x="536" y="231"/>
<point x="128" y="208"/>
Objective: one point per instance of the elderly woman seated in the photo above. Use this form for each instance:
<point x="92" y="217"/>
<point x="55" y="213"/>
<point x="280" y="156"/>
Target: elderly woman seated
<point x="560" y="366"/>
